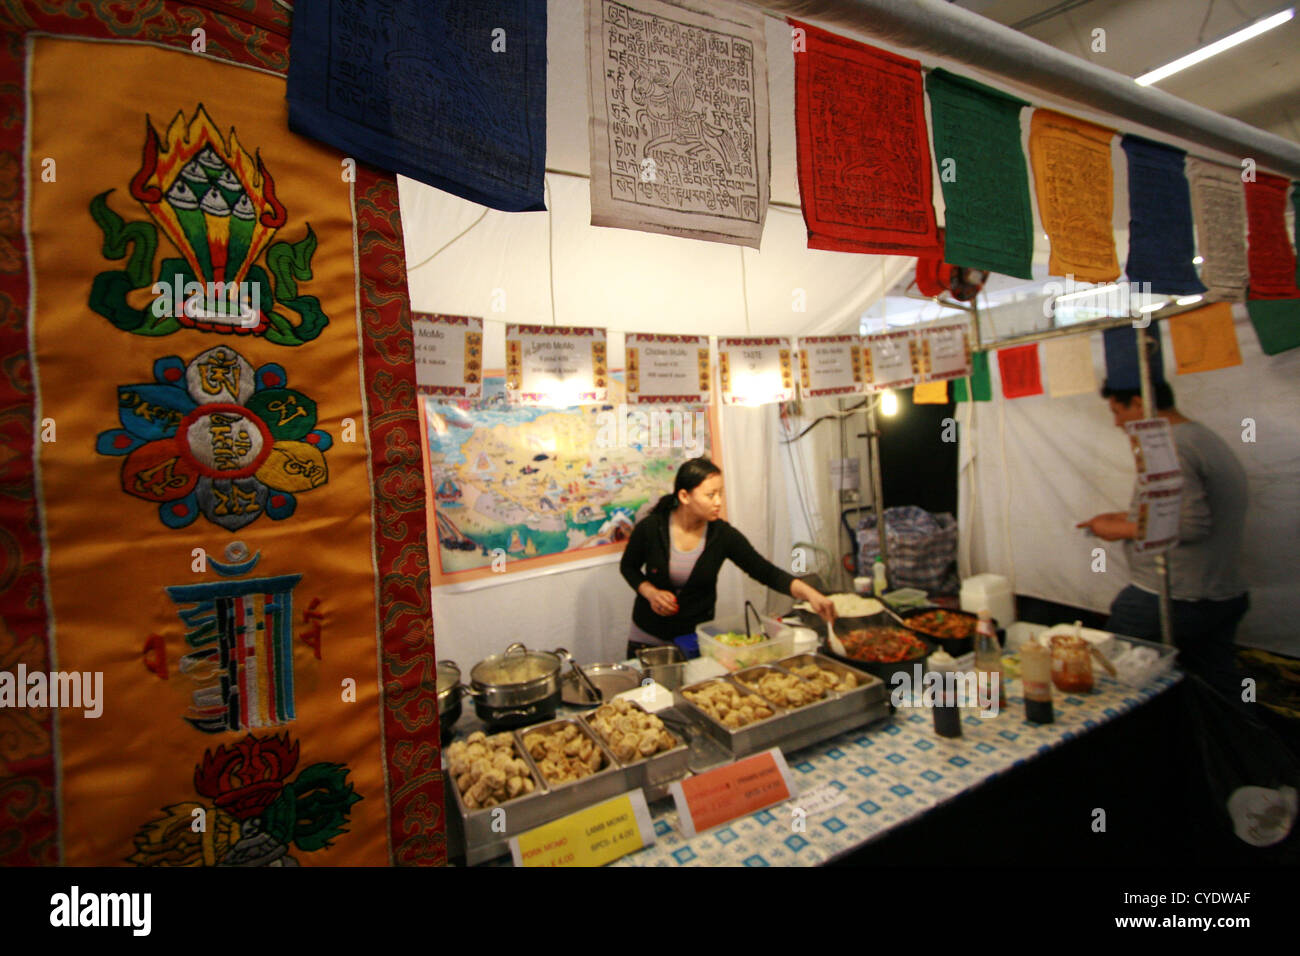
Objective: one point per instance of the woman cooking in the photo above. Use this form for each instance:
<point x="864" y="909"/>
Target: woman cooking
<point x="674" y="555"/>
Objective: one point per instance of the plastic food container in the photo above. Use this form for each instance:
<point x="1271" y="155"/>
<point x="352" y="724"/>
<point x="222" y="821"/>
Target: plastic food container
<point x="991" y="591"/>
<point x="905" y="598"/>
<point x="766" y="651"/>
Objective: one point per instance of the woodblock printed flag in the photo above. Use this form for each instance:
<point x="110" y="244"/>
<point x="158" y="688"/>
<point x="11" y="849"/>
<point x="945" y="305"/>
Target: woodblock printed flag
<point x="679" y="118"/>
<point x="227" y="539"/>
<point x="1073" y="180"/>
<point x="1219" y="207"/>
<point x="864" y="155"/>
<point x="1160" y="243"/>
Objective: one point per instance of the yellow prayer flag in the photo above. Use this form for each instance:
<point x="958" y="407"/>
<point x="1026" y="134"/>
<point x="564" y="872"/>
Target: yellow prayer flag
<point x="1204" y="339"/>
<point x="1073" y="179"/>
<point x="930" y="393"/>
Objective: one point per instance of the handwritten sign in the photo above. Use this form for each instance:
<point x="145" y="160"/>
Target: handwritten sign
<point x="711" y="799"/>
<point x="890" y="360"/>
<point x="555" y="365"/>
<point x="667" y="369"/>
<point x="945" y="352"/>
<point x="1158" y="503"/>
<point x="1159" y="513"/>
<point x="830" y="365"/>
<point x="754" y="371"/>
<point x="592" y="836"/>
<point x="448" y="354"/>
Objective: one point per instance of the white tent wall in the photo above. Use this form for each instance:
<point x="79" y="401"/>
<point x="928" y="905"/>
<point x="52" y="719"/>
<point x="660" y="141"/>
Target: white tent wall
<point x="544" y="266"/>
<point x="1030" y="468"/>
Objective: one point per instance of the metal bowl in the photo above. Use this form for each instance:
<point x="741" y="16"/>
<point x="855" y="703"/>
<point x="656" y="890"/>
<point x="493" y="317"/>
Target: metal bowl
<point x="610" y="679"/>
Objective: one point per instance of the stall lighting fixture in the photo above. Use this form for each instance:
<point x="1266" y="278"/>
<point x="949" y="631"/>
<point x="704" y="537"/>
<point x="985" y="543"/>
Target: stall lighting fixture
<point x="1218" y="46"/>
<point x="888" y="402"/>
<point x="1153" y="306"/>
<point x="1190" y="299"/>
<point x="1198" y="260"/>
<point x="1099" y="290"/>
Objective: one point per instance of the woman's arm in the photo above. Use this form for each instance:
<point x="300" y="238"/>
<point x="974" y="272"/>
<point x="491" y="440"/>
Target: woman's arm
<point x="740" y="551"/>
<point x="634" y="558"/>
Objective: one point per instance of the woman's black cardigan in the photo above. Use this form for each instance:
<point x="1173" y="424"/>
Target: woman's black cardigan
<point x="649" y="548"/>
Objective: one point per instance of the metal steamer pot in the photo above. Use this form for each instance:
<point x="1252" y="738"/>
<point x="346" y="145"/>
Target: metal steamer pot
<point x="517" y="687"/>
<point x="449" y="693"/>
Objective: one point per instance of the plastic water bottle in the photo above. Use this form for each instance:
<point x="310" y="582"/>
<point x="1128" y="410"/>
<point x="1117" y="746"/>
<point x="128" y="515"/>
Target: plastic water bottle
<point x="878" y="576"/>
<point x="988" y="657"/>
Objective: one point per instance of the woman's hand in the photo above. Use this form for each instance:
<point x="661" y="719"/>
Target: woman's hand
<point x="663" y="603"/>
<point x="823" y="606"/>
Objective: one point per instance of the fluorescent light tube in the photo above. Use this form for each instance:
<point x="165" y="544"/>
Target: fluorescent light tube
<point x="1218" y="46"/>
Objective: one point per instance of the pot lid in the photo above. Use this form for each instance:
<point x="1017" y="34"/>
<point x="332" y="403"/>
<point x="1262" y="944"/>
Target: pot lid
<point x="517" y="665"/>
<point x="448" y="675"/>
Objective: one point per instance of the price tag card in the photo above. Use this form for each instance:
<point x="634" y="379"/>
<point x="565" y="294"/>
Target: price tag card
<point x="1154" y="450"/>
<point x="830" y="365"/>
<point x="448" y="354"/>
<point x="593" y="836"/>
<point x="555" y="365"/>
<point x="667" y="369"/>
<point x="818" y="800"/>
<point x="945" y="352"/>
<point x="755" y="371"/>
<point x="711" y="799"/>
<point x="1159" y="513"/>
<point x="890" y="360"/>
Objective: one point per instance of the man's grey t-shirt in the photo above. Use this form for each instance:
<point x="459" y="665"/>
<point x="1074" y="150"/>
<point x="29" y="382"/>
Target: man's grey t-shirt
<point x="1206" y="564"/>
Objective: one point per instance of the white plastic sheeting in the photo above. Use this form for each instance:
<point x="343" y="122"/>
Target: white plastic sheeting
<point x="1030" y="468"/>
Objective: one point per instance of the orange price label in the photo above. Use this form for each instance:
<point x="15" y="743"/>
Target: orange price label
<point x="711" y="799"/>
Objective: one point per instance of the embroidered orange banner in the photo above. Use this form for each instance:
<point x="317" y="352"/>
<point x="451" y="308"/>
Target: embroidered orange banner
<point x="206" y="502"/>
<point x="1073" y="179"/>
<point x="1205" y="339"/>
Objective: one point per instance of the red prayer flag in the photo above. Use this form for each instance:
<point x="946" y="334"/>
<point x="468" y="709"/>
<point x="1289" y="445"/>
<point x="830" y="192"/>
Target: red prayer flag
<point x="1018" y="367"/>
<point x="1272" y="261"/>
<point x="864" y="151"/>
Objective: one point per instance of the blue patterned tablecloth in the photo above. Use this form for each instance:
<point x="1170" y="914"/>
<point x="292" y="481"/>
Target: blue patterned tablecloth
<point x="890" y="772"/>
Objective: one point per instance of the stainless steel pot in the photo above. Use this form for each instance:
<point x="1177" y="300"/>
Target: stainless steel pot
<point x="449" y="693"/>
<point x="516" y="687"/>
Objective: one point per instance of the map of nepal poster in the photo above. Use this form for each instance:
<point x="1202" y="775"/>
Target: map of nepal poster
<point x="517" y="490"/>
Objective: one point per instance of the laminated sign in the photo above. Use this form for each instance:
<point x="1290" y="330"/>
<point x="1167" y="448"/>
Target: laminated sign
<point x="1158" y="501"/>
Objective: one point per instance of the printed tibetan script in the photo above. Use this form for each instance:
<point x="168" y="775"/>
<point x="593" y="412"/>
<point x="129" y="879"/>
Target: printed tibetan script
<point x="679" y="123"/>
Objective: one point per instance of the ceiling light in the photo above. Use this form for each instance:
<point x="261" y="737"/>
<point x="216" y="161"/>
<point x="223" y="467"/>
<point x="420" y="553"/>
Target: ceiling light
<point x="1218" y="46"/>
<point x="1099" y="290"/>
<point x="888" y="402"/>
<point x="1154" y="306"/>
<point x="1199" y="260"/>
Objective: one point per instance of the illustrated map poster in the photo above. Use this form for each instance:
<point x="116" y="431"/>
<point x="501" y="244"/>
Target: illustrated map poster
<point x="520" y="489"/>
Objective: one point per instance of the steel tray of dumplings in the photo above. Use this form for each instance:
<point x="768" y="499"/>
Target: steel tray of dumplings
<point x="869" y="692"/>
<point x="654" y="773"/>
<point x="564" y="798"/>
<point x="743" y="741"/>
<point x="751" y="675"/>
<point x="474" y="827"/>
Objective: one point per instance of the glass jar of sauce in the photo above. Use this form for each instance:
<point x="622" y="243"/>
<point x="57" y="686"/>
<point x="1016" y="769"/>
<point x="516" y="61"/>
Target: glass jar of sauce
<point x="1071" y="664"/>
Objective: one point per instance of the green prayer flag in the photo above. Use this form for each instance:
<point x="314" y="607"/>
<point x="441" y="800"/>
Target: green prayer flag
<point x="982" y="170"/>
<point x="1277" y="323"/>
<point x="1295" y="201"/>
<point x="981" y="381"/>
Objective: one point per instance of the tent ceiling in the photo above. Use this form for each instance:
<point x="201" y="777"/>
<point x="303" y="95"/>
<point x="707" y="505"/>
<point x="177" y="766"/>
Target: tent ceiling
<point x="1257" y="82"/>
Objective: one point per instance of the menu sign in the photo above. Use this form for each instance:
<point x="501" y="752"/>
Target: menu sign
<point x="448" y="354"/>
<point x="830" y="365"/>
<point x="890" y="360"/>
<point x="754" y="371"/>
<point x="945" y="352"/>
<point x="711" y="799"/>
<point x="1159" y="496"/>
<point x="592" y="836"/>
<point x="555" y="365"/>
<point x="667" y="369"/>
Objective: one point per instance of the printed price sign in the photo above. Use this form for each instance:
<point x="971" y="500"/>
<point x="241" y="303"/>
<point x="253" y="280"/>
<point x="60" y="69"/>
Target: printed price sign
<point x="1154" y="450"/>
<point x="830" y="365"/>
<point x="753" y="371"/>
<point x="590" y="837"/>
<point x="555" y="365"/>
<point x="711" y="799"/>
<point x="890" y="360"/>
<point x="667" y="369"/>
<point x="1159" y="513"/>
<point x="448" y="354"/>
<point x="945" y="352"/>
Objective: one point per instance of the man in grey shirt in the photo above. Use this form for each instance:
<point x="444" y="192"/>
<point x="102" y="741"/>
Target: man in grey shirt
<point x="1208" y="594"/>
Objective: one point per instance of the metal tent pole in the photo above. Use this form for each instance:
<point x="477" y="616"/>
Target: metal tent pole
<point x="877" y="492"/>
<point x="1149" y="411"/>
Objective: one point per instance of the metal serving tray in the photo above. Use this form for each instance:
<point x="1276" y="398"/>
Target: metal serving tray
<point x="485" y="834"/>
<point x="751" y="675"/>
<point x="653" y="773"/>
<point x="870" y="689"/>
<point x="792" y="730"/>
